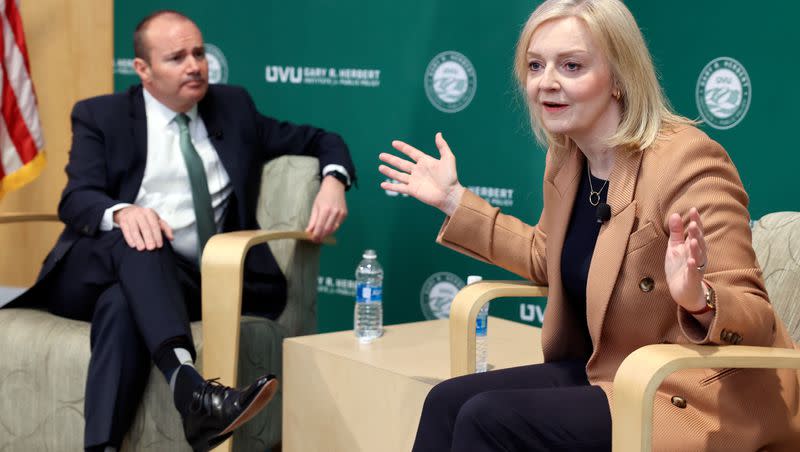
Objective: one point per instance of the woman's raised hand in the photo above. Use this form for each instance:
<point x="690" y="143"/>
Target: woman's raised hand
<point x="432" y="181"/>
<point x="685" y="261"/>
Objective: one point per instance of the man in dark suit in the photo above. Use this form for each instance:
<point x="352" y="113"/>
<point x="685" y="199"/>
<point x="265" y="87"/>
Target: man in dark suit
<point x="152" y="173"/>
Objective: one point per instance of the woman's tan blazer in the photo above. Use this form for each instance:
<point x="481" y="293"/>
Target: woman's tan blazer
<point x="628" y="303"/>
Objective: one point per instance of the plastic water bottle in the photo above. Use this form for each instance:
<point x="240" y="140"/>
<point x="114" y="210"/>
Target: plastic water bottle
<point x="481" y="329"/>
<point x="368" y="317"/>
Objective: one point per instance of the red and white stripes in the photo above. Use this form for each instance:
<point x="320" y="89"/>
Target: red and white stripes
<point x="21" y="138"/>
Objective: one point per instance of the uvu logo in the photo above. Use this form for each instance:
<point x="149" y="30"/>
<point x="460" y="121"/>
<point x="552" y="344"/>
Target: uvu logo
<point x="393" y="193"/>
<point x="723" y="93"/>
<point x="284" y="74"/>
<point x="217" y="64"/>
<point x="437" y="294"/>
<point x="450" y="81"/>
<point x="532" y="313"/>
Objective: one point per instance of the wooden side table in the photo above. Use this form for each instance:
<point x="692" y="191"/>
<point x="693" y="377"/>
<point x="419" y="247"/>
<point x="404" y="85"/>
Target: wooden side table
<point x="339" y="395"/>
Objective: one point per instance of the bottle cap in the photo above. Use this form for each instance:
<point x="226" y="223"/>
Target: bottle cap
<point x="369" y="254"/>
<point x="473" y="279"/>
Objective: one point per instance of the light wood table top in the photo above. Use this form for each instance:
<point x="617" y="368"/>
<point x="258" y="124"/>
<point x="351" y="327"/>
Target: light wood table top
<point x="420" y="350"/>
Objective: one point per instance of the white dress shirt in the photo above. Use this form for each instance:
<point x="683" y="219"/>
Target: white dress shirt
<point x="165" y="186"/>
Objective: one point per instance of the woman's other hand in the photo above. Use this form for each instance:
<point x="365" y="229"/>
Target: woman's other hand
<point x="432" y="181"/>
<point x="685" y="261"/>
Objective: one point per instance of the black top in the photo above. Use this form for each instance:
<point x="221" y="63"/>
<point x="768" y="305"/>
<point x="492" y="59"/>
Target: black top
<point x="579" y="244"/>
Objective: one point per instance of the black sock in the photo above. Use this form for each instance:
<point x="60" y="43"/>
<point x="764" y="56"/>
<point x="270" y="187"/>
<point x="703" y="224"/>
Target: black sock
<point x="167" y="360"/>
<point x="187" y="379"/>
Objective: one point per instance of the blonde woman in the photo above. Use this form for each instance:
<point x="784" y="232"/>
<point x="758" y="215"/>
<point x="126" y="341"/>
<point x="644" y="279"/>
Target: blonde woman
<point x="670" y="260"/>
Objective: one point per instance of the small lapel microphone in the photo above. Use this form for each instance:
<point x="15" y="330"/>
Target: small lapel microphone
<point x="603" y="212"/>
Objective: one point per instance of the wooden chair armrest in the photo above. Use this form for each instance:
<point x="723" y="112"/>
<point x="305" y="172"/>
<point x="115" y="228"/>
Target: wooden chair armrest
<point x="642" y="372"/>
<point x="20" y="217"/>
<point x="464" y="312"/>
<point x="222" y="271"/>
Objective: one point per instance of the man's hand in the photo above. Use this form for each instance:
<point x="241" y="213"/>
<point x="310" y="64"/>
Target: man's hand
<point x="329" y="209"/>
<point x="142" y="227"/>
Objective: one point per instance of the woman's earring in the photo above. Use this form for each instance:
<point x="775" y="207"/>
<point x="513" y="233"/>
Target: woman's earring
<point x="616" y="94"/>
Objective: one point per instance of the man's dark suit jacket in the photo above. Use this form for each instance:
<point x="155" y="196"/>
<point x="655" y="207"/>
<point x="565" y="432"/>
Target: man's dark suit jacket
<point x="109" y="153"/>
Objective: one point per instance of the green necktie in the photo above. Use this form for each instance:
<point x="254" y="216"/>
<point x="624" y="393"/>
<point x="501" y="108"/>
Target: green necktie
<point x="203" y="211"/>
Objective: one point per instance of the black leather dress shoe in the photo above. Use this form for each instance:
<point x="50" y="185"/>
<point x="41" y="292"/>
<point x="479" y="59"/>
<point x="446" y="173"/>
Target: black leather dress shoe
<point x="217" y="410"/>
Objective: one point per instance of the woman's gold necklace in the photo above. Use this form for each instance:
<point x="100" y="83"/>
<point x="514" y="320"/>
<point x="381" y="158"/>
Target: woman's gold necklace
<point x="594" y="196"/>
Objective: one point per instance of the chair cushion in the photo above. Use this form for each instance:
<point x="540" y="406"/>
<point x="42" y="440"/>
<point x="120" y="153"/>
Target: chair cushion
<point x="289" y="185"/>
<point x="42" y="379"/>
<point x="776" y="240"/>
<point x="43" y="374"/>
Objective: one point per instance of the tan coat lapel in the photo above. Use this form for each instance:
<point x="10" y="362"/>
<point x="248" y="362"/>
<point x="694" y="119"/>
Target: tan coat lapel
<point x="612" y="241"/>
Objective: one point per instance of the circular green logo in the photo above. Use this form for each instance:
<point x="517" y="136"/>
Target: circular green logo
<point x="437" y="293"/>
<point x="217" y="64"/>
<point x="723" y="93"/>
<point x="450" y="81"/>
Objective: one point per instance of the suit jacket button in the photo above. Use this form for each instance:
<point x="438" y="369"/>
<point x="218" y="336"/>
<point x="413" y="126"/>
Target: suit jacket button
<point x="85" y="229"/>
<point x="647" y="284"/>
<point x="679" y="402"/>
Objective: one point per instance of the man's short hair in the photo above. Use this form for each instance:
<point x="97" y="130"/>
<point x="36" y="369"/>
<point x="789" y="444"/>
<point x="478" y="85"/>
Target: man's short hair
<point x="140" y="48"/>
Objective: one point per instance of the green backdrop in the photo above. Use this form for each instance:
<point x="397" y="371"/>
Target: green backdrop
<point x="361" y="68"/>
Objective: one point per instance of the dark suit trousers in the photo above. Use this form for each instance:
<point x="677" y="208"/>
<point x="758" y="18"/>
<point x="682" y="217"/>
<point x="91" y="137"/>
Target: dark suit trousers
<point x="136" y="301"/>
<point x="540" y="407"/>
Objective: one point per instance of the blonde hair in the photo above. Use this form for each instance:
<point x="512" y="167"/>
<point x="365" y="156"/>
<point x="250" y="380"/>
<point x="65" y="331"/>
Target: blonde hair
<point x="645" y="109"/>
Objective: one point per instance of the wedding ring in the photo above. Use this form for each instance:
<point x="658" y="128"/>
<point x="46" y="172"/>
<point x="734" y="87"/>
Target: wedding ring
<point x="702" y="267"/>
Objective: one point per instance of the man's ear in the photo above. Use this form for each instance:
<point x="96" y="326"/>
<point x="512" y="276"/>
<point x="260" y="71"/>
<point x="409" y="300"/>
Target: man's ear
<point x="142" y="69"/>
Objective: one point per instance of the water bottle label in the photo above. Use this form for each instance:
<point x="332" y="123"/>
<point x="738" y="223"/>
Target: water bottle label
<point x="480" y="325"/>
<point x="368" y="294"/>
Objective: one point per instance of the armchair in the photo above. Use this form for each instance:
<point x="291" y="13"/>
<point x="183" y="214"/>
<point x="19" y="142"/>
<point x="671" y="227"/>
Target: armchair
<point x="642" y="371"/>
<point x="41" y="349"/>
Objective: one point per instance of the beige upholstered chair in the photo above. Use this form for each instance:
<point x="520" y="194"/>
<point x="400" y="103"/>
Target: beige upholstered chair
<point x="776" y="239"/>
<point x="45" y="358"/>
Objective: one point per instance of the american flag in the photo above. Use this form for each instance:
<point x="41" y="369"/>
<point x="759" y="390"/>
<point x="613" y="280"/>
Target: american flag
<point x="21" y="141"/>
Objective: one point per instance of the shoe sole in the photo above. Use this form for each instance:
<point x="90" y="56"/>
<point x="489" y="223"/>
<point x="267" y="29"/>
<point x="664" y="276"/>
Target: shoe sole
<point x="260" y="401"/>
<point x="217" y="440"/>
